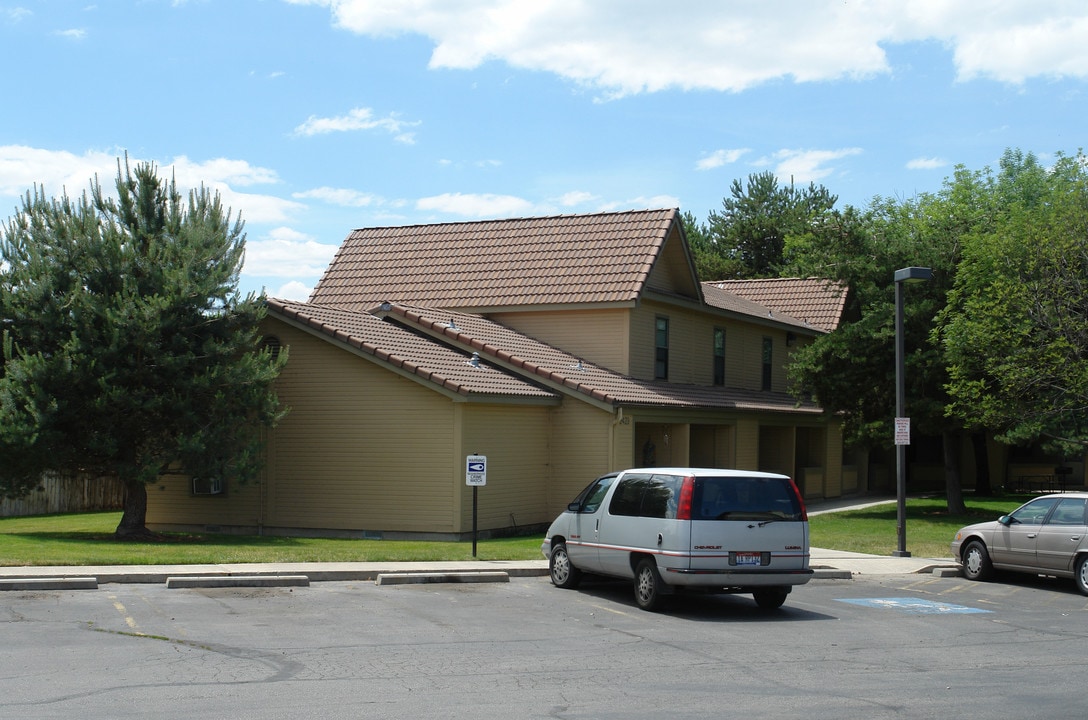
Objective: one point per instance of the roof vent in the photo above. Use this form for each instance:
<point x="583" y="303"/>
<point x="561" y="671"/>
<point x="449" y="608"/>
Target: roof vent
<point x="475" y="361"/>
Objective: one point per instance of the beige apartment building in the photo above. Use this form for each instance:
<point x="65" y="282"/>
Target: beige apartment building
<point x="559" y="348"/>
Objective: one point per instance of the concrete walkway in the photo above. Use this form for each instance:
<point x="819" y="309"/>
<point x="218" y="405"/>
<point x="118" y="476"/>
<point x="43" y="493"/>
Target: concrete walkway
<point x="827" y="564"/>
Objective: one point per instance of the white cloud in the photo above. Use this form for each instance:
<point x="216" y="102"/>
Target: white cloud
<point x="720" y="157"/>
<point x="72" y="34"/>
<point x="343" y="197"/>
<point x="476" y="205"/>
<point x="293" y="290"/>
<point x="358" y="119"/>
<point x="56" y="171"/>
<point x="576" y="197"/>
<point x="59" y="171"/>
<point x="633" y="46"/>
<point x="287" y="253"/>
<point x="642" y="203"/>
<point x="15" y="14"/>
<point x="924" y="163"/>
<point x="805" y="166"/>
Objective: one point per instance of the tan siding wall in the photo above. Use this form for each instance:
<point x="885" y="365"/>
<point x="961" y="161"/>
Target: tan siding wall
<point x="747" y="437"/>
<point x="672" y="273"/>
<point x="691" y="348"/>
<point x="515" y="441"/>
<point x="599" y="336"/>
<point x="170" y="502"/>
<point x="582" y="439"/>
<point x="356" y="443"/>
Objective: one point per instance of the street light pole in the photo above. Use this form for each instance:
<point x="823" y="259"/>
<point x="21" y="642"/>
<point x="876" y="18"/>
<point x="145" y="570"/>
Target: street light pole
<point x="906" y="275"/>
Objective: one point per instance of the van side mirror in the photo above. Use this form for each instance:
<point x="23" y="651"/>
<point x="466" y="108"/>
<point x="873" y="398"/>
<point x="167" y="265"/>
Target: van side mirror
<point x="574" y="507"/>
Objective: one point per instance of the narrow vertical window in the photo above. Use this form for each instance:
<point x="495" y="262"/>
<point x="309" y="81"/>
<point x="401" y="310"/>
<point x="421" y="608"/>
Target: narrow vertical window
<point x="719" y="356"/>
<point x="661" y="349"/>
<point x="768" y="347"/>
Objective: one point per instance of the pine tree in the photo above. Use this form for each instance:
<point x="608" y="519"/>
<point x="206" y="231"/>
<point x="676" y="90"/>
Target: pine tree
<point x="127" y="349"/>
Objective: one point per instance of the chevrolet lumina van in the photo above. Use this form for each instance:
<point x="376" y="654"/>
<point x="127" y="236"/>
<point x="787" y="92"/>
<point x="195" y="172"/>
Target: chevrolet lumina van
<point x="684" y="529"/>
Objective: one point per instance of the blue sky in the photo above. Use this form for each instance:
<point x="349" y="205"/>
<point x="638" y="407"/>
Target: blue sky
<point x="315" y="117"/>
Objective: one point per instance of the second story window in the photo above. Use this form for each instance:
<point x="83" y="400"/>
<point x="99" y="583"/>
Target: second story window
<point x="719" y="356"/>
<point x="661" y="349"/>
<point x="768" y="347"/>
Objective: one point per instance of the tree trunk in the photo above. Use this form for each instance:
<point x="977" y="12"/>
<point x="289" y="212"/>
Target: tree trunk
<point x="133" y="525"/>
<point x="982" y="465"/>
<point x="952" y="480"/>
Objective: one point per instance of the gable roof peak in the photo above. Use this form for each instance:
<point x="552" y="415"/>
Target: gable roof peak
<point x="487" y="265"/>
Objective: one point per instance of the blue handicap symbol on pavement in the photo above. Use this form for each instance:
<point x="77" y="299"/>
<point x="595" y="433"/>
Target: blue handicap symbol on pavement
<point x="914" y="606"/>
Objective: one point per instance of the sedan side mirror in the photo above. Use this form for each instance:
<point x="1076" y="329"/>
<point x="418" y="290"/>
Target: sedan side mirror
<point x="1006" y="520"/>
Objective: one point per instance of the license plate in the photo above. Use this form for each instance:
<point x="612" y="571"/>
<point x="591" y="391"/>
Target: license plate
<point x="749" y="558"/>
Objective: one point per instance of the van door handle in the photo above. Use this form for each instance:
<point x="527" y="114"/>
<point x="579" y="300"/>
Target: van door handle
<point x="660" y="539"/>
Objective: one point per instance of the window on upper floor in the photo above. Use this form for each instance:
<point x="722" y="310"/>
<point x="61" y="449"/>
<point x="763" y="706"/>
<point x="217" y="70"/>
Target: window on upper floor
<point x="661" y="349"/>
<point x="719" y="356"/>
<point x="768" y="357"/>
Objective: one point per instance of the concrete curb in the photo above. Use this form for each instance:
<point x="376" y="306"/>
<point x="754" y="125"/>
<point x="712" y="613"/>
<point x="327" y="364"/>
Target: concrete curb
<point x="61" y="583"/>
<point x="217" y="581"/>
<point x="413" y="578"/>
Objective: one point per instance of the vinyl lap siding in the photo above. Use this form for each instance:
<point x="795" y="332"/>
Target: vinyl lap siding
<point x="515" y="440"/>
<point x="362" y="447"/>
<point x="580" y="450"/>
<point x="599" y="336"/>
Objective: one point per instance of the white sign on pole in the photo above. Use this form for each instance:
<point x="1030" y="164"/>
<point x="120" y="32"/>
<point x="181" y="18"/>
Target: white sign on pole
<point x="476" y="470"/>
<point x="902" y="431"/>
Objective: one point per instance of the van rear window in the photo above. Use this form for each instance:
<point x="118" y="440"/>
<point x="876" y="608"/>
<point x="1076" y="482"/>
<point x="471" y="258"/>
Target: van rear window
<point x="743" y="498"/>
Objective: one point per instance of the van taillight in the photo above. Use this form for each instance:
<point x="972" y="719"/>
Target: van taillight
<point x="683" y="505"/>
<point x="800" y="500"/>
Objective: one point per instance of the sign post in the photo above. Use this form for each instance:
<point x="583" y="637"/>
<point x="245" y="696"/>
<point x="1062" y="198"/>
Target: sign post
<point x="475" y="477"/>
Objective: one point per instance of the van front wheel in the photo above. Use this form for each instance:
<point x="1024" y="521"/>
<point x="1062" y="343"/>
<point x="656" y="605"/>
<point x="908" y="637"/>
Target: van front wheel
<point x="563" y="573"/>
<point x="649" y="587"/>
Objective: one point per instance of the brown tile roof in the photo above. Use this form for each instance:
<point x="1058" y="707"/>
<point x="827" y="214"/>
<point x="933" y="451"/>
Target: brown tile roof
<point x="560" y="369"/>
<point x="814" y="301"/>
<point x="718" y="298"/>
<point x="484" y="266"/>
<point x="431" y="361"/>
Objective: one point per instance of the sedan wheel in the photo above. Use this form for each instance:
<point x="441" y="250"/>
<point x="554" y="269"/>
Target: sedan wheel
<point x="976" y="561"/>
<point x="563" y="574"/>
<point x="1081" y="575"/>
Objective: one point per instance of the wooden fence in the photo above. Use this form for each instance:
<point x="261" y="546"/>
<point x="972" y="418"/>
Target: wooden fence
<point x="61" y="495"/>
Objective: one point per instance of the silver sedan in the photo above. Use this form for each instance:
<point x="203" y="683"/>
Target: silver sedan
<point x="1046" y="536"/>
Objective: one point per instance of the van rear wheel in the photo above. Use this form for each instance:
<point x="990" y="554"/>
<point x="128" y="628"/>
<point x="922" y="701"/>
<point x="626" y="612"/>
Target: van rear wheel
<point x="564" y="574"/>
<point x="771" y="598"/>
<point x="649" y="587"/>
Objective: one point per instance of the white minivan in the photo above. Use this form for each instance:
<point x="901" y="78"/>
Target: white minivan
<point x="673" y="529"/>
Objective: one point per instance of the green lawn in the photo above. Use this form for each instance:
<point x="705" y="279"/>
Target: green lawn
<point x="930" y="528"/>
<point x="87" y="539"/>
